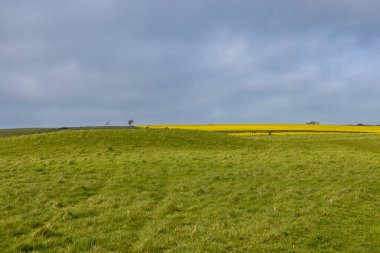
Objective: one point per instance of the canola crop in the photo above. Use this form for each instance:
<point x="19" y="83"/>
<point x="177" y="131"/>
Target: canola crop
<point x="263" y="133"/>
<point x="276" y="129"/>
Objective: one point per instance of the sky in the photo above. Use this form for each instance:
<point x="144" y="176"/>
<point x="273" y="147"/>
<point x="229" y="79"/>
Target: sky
<point x="88" y="62"/>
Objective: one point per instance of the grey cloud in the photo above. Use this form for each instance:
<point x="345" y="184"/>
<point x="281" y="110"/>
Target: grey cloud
<point x="87" y="62"/>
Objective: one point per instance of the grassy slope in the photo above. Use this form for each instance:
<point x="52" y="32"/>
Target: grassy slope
<point x="24" y="131"/>
<point x="189" y="191"/>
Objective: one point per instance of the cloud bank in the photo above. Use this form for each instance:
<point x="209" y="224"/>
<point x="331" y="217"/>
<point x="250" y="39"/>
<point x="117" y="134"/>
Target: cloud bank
<point x="85" y="62"/>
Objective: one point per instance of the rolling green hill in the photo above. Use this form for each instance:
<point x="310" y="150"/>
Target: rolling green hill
<point x="152" y="190"/>
<point x="24" y="131"/>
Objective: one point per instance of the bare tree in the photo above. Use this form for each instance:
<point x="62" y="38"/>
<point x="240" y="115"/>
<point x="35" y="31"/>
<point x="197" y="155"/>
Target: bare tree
<point x="130" y="122"/>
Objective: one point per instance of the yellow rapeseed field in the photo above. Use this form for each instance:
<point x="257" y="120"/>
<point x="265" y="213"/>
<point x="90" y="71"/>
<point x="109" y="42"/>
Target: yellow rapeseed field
<point x="253" y="129"/>
<point x="265" y="133"/>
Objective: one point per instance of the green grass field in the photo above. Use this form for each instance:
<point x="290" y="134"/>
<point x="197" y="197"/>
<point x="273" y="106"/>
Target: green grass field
<point x="24" y="131"/>
<point x="151" y="190"/>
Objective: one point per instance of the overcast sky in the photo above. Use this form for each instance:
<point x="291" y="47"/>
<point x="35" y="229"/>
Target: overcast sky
<point x="86" y="62"/>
